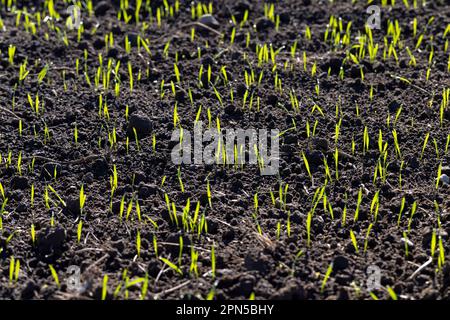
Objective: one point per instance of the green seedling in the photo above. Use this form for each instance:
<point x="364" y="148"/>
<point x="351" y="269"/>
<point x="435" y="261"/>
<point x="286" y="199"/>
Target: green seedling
<point x="54" y="275"/>
<point x="325" y="279"/>
<point x="354" y="241"/>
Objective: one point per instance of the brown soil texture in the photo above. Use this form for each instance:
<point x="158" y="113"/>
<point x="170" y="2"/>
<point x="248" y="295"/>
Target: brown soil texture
<point x="241" y="251"/>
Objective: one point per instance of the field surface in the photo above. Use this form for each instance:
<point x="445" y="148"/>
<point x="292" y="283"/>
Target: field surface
<point x="93" y="207"/>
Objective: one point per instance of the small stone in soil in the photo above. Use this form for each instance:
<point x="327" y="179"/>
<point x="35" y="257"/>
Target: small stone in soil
<point x="141" y="123"/>
<point x="320" y="144"/>
<point x="242" y="5"/>
<point x="133" y="38"/>
<point x="207" y="60"/>
<point x="394" y="106"/>
<point x="98" y="44"/>
<point x="101" y="8"/>
<point x="21" y="207"/>
<point x="285" y="18"/>
<point x="315" y="158"/>
<point x="340" y="263"/>
<point x="146" y="190"/>
<point x="445" y="179"/>
<point x="272" y="100"/>
<point x="113" y="53"/>
<point x="409" y="242"/>
<point x="209" y="20"/>
<point x="50" y="239"/>
<point x="263" y="24"/>
<point x="29" y="290"/>
<point x="73" y="205"/>
<point x="246" y="285"/>
<point x="19" y="183"/>
<point x="100" y="167"/>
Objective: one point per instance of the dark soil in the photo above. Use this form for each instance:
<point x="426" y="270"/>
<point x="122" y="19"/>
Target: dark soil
<point x="267" y="265"/>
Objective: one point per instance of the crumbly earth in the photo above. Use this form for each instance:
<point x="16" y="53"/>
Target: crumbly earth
<point x="247" y="251"/>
